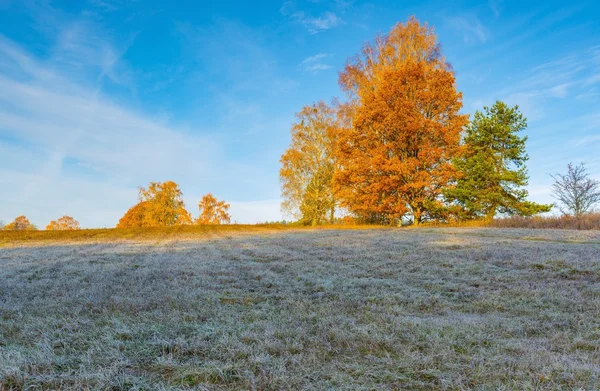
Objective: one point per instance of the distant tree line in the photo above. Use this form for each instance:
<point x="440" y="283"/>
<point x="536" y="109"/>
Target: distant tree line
<point x="160" y="205"/>
<point x="398" y="149"/>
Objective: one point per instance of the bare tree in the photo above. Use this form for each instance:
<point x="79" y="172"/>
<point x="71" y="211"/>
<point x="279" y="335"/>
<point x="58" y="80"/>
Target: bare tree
<point x="575" y="190"/>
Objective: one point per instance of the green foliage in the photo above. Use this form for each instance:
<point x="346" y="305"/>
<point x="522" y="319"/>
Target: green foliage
<point x="308" y="164"/>
<point x="492" y="168"/>
<point x="318" y="203"/>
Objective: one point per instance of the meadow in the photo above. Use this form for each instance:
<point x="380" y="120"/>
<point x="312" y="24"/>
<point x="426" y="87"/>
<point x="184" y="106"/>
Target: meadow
<point x="280" y="308"/>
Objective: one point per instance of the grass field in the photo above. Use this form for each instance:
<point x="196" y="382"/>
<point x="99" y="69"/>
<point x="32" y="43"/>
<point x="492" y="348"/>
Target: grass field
<point x="281" y="309"/>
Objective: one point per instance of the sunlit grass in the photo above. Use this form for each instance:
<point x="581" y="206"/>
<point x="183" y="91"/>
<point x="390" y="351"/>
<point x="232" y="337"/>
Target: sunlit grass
<point x="176" y="232"/>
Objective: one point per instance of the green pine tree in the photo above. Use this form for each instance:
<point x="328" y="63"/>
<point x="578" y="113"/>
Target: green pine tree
<point x="493" y="171"/>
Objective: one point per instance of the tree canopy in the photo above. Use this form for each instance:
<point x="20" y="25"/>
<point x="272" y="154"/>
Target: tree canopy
<point x="395" y="158"/>
<point x="161" y="205"/>
<point x="62" y="224"/>
<point x="576" y="192"/>
<point x="21" y="223"/>
<point x="134" y="217"/>
<point x="213" y="211"/>
<point x="164" y="205"/>
<point x="492" y="168"/>
<point x="308" y="165"/>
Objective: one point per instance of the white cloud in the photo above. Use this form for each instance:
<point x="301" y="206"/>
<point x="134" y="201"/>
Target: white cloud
<point x="318" y="24"/>
<point x="314" y="64"/>
<point x="314" y="24"/>
<point x="470" y="27"/>
<point x="572" y="75"/>
<point x="315" y="58"/>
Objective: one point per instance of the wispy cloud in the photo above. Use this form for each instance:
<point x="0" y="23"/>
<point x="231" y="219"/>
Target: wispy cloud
<point x="589" y="130"/>
<point x="68" y="142"/>
<point x="471" y="28"/>
<point x="107" y="5"/>
<point x="82" y="48"/>
<point x="320" y="23"/>
<point x="557" y="100"/>
<point x="594" y="79"/>
<point x="588" y="140"/>
<point x="314" y="24"/>
<point x="559" y="91"/>
<point x="63" y="122"/>
<point x="572" y="75"/>
<point x="315" y="64"/>
<point x="232" y="51"/>
<point x="595" y="54"/>
<point x="495" y="6"/>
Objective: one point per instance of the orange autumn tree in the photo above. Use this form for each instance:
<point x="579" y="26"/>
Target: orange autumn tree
<point x="134" y="217"/>
<point x="62" y="224"/>
<point x="213" y="211"/>
<point x="395" y="158"/>
<point x="21" y="223"/>
<point x="161" y="205"/>
<point x="308" y="164"/>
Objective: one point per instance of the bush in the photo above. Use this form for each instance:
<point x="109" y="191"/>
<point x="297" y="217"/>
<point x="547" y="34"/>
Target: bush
<point x="588" y="221"/>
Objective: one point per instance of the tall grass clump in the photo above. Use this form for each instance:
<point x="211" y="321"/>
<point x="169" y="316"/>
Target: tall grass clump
<point x="588" y="221"/>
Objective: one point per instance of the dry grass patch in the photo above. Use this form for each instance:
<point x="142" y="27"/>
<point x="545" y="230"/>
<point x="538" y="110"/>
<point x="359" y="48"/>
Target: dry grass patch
<point x="180" y="232"/>
<point x="585" y="222"/>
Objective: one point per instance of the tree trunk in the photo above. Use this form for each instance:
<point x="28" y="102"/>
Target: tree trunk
<point x="491" y="214"/>
<point x="417" y="214"/>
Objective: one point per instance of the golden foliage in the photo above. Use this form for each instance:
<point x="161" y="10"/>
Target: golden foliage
<point x="395" y="158"/>
<point x="62" y="224"/>
<point x="213" y="211"/>
<point x="161" y="205"/>
<point x="134" y="217"/>
<point x="21" y="223"/>
<point x="308" y="165"/>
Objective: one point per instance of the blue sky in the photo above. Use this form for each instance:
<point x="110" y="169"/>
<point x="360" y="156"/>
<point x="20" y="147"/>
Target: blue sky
<point x="99" y="97"/>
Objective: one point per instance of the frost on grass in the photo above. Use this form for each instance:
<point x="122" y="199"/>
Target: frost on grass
<point x="439" y="309"/>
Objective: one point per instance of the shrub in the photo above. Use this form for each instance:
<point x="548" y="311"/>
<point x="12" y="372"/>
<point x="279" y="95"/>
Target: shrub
<point x="588" y="221"/>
